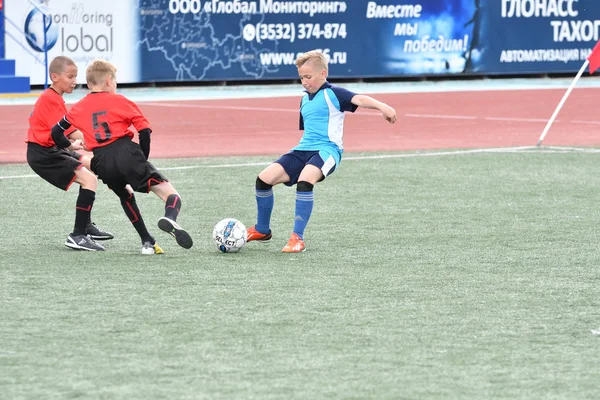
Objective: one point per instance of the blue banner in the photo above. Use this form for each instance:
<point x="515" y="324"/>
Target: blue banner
<point x="189" y="40"/>
<point x="527" y="36"/>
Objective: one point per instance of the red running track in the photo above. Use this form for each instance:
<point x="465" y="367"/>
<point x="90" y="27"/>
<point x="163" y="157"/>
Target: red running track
<point x="269" y="126"/>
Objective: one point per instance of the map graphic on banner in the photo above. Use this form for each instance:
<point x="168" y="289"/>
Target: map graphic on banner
<point x="80" y="29"/>
<point x="191" y="45"/>
<point x="210" y="39"/>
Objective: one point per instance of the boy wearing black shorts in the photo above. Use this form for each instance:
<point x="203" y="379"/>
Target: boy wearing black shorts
<point x="62" y="167"/>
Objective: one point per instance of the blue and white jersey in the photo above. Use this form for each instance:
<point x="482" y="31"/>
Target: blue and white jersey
<point x="322" y="119"/>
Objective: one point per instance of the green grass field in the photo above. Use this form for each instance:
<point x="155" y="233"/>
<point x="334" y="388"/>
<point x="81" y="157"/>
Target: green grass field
<point x="450" y="276"/>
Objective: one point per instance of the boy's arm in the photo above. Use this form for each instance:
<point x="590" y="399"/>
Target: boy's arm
<point x="58" y="135"/>
<point x="364" y="101"/>
<point x="144" y="139"/>
<point x="141" y="124"/>
<point x="76" y="134"/>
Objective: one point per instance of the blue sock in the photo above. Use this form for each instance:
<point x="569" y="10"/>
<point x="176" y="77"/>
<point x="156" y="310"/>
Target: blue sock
<point x="264" y="203"/>
<point x="304" y="206"/>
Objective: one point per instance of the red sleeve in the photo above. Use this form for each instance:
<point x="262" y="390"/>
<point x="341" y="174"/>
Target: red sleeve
<point x="134" y="115"/>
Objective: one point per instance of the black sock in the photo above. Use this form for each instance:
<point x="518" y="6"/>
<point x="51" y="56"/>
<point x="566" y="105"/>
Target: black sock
<point x="83" y="208"/>
<point x="135" y="217"/>
<point x="89" y="221"/>
<point x="172" y="207"/>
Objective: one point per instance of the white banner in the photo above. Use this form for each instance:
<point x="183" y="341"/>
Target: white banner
<point x="80" y="29"/>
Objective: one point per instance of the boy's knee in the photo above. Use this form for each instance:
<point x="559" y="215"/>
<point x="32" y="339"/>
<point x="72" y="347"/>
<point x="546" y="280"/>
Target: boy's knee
<point x="164" y="190"/>
<point x="86" y="179"/>
<point x="261" y="185"/>
<point x="122" y="193"/>
<point x="304" y="186"/>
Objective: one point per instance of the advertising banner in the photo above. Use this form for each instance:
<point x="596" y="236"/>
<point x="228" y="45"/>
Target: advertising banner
<point x="80" y="29"/>
<point x="192" y="40"/>
<point x="260" y="39"/>
<point x="533" y="36"/>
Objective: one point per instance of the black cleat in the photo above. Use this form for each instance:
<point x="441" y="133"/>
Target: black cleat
<point x="82" y="242"/>
<point x="181" y="236"/>
<point x="96" y="233"/>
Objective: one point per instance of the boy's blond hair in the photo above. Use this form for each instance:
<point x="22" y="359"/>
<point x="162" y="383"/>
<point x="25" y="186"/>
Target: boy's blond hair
<point x="59" y="64"/>
<point x="315" y="56"/>
<point x="98" y="70"/>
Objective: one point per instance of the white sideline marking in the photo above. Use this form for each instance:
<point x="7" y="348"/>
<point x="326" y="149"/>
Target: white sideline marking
<point x="567" y="149"/>
<point x="586" y="122"/>
<point x="518" y="119"/>
<point x="518" y="149"/>
<point x="435" y="116"/>
<point x="256" y="164"/>
<point x="444" y="153"/>
<point x="218" y="107"/>
<point x="17" y="176"/>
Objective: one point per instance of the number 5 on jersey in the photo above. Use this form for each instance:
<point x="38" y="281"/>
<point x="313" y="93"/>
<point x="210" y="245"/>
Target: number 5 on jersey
<point x="101" y="129"/>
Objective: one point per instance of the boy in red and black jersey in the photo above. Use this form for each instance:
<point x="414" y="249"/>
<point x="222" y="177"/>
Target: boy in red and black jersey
<point x="104" y="118"/>
<point x="62" y="167"/>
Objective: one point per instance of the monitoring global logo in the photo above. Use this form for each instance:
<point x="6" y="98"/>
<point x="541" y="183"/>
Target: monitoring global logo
<point x="36" y="25"/>
<point x="72" y="26"/>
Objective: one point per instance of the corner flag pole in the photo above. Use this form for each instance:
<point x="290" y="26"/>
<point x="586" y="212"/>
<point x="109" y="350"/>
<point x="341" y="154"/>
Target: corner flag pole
<point x="593" y="60"/>
<point x="562" y="102"/>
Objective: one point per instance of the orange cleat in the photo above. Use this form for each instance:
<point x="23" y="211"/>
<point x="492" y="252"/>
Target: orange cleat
<point x="294" y="245"/>
<point x="253" y="234"/>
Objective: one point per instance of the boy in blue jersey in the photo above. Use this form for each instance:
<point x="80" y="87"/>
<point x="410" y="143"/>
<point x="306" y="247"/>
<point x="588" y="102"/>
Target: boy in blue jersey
<point x="319" y="151"/>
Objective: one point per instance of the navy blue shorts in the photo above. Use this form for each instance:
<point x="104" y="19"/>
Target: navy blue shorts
<point x="294" y="162"/>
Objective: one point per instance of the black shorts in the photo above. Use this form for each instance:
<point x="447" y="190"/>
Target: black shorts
<point x="122" y="162"/>
<point x="54" y="165"/>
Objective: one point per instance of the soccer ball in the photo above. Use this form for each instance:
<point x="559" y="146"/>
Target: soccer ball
<point x="230" y="235"/>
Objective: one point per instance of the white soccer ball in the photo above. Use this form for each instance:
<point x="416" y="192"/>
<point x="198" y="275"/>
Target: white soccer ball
<point x="230" y="235"/>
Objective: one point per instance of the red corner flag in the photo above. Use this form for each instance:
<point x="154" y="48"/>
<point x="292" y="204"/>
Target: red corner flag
<point x="594" y="58"/>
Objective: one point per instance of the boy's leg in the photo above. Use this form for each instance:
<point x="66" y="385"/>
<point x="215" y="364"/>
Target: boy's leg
<point x="149" y="245"/>
<point x="133" y="213"/>
<point x="309" y="176"/>
<point x="304" y="205"/>
<point x="91" y="229"/>
<point x="144" y="177"/>
<point x="265" y="200"/>
<point x="172" y="206"/>
<point x="83" y="208"/>
<point x="168" y="223"/>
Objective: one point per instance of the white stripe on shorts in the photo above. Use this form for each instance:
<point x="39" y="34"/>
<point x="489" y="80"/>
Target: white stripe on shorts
<point x="329" y="163"/>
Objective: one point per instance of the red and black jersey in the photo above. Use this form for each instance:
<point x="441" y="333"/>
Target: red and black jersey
<point x="47" y="111"/>
<point x="104" y="117"/>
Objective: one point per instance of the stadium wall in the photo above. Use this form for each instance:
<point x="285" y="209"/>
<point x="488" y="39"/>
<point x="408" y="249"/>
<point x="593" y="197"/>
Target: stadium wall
<point x="251" y="40"/>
